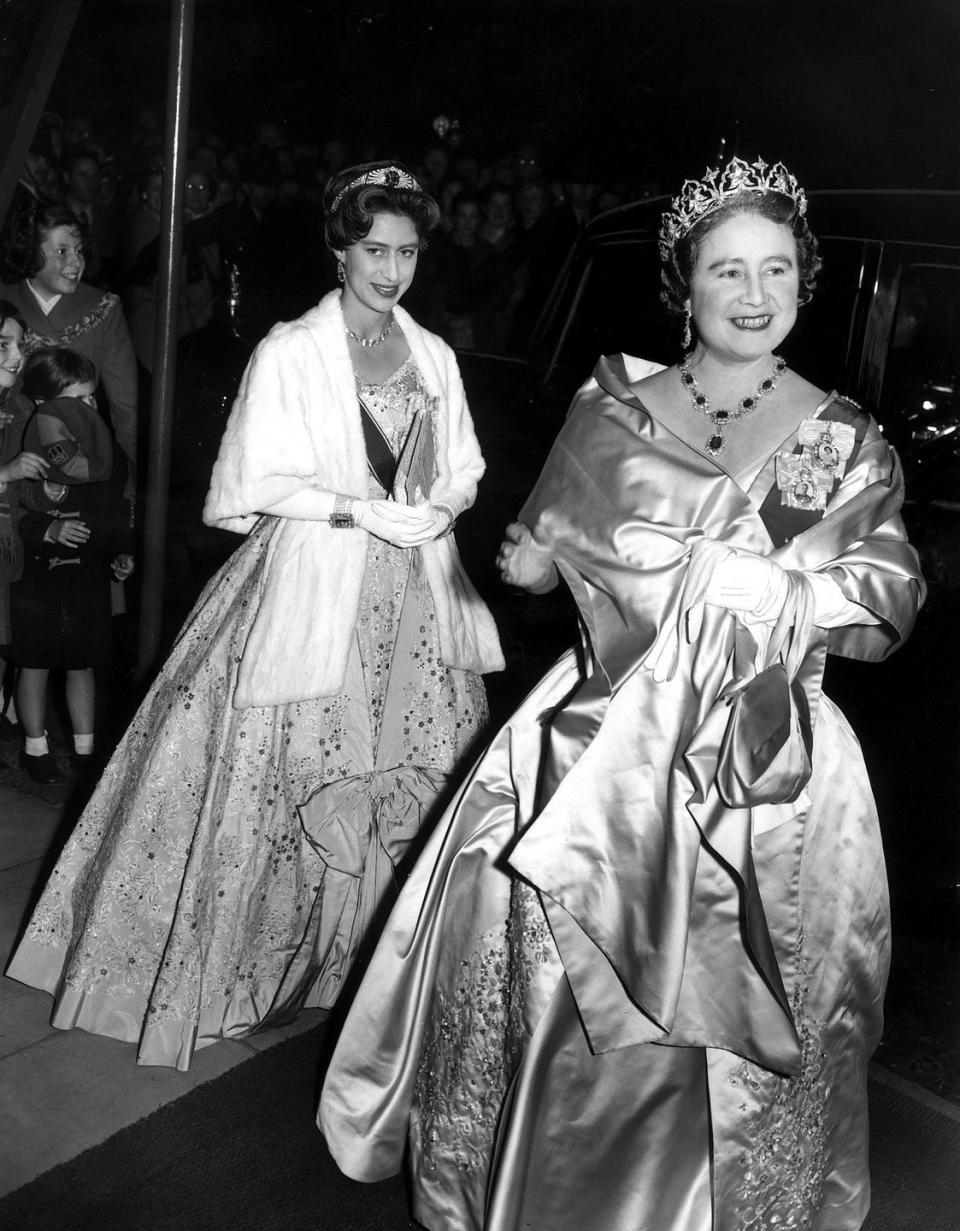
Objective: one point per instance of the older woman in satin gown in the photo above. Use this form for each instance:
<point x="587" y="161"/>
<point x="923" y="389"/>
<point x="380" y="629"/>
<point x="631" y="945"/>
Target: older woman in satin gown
<point x="635" y="979"/>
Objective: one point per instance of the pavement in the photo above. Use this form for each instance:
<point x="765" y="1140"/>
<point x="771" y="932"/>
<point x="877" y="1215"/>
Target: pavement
<point x="63" y="1091"/>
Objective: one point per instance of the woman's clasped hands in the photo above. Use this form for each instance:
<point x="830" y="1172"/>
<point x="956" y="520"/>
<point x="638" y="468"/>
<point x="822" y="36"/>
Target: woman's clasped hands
<point x="403" y="525"/>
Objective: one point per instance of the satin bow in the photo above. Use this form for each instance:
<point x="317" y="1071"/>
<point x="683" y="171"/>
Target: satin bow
<point x="342" y="818"/>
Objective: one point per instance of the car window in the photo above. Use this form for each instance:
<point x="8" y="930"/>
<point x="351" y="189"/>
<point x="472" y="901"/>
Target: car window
<point x="610" y="305"/>
<point x="920" y="377"/>
<point x="822" y="341"/>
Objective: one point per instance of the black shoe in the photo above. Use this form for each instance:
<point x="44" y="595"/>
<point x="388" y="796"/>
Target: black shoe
<point x="81" y="761"/>
<point x="41" y="769"/>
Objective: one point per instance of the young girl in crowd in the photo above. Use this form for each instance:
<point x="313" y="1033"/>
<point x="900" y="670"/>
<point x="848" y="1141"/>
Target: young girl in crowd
<point x="75" y="533"/>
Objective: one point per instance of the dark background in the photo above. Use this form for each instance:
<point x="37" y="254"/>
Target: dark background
<point x="849" y="93"/>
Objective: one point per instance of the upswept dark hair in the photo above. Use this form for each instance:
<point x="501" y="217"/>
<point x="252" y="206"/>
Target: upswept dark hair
<point x="21" y="257"/>
<point x="49" y="371"/>
<point x="10" y="312"/>
<point x="775" y="206"/>
<point x="351" y="219"/>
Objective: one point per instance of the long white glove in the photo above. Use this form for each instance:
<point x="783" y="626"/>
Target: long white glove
<point x="524" y="563"/>
<point x="756" y="587"/>
<point x="750" y="584"/>
<point x="403" y="525"/>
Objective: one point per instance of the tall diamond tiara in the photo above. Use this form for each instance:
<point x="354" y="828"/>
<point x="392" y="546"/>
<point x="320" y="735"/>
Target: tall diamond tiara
<point x="699" y="198"/>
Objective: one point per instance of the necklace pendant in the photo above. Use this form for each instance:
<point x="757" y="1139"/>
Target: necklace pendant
<point x="722" y="418"/>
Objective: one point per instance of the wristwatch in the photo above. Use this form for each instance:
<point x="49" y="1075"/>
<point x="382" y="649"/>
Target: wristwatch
<point x="342" y="516"/>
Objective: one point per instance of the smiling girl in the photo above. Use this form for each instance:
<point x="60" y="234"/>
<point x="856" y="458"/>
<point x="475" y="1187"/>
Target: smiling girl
<point x="43" y="267"/>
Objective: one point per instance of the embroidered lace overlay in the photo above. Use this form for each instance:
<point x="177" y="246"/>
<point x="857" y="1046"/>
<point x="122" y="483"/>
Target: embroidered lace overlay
<point x="475" y="1038"/>
<point x="184" y="891"/>
<point x="440" y="708"/>
<point x="783" y="1171"/>
<point x="395" y="402"/>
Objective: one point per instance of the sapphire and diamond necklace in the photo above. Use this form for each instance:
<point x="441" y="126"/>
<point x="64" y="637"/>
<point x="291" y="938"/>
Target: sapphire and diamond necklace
<point x="722" y="418"/>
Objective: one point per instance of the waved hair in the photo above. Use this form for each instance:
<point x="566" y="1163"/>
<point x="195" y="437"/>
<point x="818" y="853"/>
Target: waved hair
<point x="354" y="214"/>
<point x="678" y="268"/>
<point x="21" y="256"/>
<point x="10" y="312"/>
<point x="54" y="368"/>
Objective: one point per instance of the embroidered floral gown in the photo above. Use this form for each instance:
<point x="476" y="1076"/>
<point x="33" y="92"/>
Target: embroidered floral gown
<point x="190" y="903"/>
<point x="606" y="997"/>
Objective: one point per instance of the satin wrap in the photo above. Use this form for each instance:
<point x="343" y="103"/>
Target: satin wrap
<point x="606" y="999"/>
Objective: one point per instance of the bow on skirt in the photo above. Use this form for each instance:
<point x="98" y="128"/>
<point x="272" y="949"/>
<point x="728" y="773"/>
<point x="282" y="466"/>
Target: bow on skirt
<point x="361" y="827"/>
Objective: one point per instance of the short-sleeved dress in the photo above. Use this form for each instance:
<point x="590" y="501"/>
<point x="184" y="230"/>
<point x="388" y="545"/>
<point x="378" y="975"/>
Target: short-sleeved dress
<point x="191" y="903"/>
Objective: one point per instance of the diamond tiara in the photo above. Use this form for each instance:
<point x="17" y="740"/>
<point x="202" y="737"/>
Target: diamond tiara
<point x="390" y="177"/>
<point x="699" y="198"/>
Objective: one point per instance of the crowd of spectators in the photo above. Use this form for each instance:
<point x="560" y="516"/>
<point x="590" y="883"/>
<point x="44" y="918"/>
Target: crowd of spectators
<point x="253" y="242"/>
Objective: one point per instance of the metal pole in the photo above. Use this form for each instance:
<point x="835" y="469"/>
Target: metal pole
<point x="165" y="350"/>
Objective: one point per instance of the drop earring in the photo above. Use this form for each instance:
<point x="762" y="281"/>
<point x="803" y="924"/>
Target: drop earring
<point x="687" y="335"/>
<point x="341" y="275"/>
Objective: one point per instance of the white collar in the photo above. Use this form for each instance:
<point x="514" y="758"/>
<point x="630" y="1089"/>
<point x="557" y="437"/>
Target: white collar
<point x="46" y="305"/>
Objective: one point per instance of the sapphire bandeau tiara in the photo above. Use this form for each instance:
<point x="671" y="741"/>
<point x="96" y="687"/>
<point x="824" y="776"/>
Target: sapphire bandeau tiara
<point x="389" y="177"/>
<point x="699" y="198"/>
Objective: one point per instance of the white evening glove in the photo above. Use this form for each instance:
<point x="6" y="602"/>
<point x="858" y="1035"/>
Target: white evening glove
<point x="441" y="516"/>
<point x="750" y="584"/>
<point x="832" y="608"/>
<point x="402" y="525"/>
<point x="524" y="563"/>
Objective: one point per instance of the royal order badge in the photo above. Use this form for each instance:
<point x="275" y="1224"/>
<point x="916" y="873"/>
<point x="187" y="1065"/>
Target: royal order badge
<point x="806" y="479"/>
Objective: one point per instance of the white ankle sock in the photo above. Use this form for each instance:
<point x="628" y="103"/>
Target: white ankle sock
<point x="37" y="747"/>
<point x="83" y="744"/>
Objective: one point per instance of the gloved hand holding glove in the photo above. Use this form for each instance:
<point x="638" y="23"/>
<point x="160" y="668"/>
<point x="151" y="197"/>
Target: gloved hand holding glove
<point x="749" y="584"/>
<point x="403" y="525"/>
<point x="739" y="581"/>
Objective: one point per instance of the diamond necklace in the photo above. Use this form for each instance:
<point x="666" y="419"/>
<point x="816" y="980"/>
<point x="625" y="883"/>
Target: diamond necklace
<point x="371" y="341"/>
<point x="721" y="418"/>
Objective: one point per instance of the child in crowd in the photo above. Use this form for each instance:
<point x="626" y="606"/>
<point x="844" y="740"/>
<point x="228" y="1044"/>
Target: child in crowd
<point x="75" y="533"/>
<point x="15" y="464"/>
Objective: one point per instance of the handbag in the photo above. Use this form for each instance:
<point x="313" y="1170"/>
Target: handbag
<point x="766" y="751"/>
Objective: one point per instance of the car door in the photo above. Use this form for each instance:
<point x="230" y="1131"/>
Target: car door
<point x="912" y="360"/>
